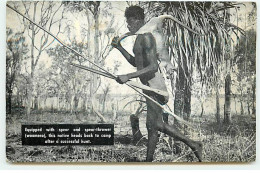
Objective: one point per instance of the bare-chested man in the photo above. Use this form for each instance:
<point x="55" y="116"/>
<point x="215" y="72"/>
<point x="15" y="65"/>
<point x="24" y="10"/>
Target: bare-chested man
<point x="145" y="60"/>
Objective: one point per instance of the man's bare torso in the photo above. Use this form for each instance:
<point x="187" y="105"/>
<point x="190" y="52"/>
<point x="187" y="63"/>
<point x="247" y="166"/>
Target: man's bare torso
<point x="154" y="80"/>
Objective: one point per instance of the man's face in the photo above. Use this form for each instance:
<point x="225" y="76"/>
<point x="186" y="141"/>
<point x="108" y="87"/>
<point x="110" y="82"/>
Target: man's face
<point x="134" y="24"/>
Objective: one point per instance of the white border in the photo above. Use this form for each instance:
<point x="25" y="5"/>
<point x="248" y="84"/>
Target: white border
<point x="7" y="166"/>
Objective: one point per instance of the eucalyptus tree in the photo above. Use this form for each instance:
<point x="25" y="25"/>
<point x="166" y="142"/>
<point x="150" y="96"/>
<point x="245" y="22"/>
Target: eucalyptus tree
<point x="245" y="63"/>
<point x="68" y="82"/>
<point x="245" y="57"/>
<point x="96" y="38"/>
<point x="47" y="14"/>
<point x="16" y="50"/>
<point x="96" y="13"/>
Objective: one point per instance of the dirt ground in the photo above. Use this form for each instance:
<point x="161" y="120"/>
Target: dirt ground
<point x="233" y="143"/>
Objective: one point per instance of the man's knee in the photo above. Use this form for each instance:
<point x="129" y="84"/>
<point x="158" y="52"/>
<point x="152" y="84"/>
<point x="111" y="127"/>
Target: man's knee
<point x="149" y="125"/>
<point x="154" y="125"/>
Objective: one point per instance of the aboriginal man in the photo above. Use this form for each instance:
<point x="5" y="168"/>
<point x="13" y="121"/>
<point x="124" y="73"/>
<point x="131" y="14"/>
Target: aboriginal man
<point x="145" y="60"/>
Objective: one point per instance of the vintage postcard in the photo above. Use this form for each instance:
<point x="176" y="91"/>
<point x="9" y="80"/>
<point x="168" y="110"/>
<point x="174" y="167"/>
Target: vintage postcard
<point x="129" y="81"/>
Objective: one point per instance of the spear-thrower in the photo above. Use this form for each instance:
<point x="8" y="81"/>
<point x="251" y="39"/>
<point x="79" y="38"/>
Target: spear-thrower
<point x="106" y="73"/>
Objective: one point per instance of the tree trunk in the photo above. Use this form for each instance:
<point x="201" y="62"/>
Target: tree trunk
<point x="248" y="100"/>
<point x="71" y="104"/>
<point x="9" y="103"/>
<point x="241" y="106"/>
<point x="104" y="106"/>
<point x="9" y="98"/>
<point x="253" y="88"/>
<point x="202" y="108"/>
<point x="228" y="54"/>
<point x="36" y="103"/>
<point x="96" y="49"/>
<point x="248" y="108"/>
<point x="31" y="78"/>
<point x="227" y="111"/>
<point x="29" y="99"/>
<point x="76" y="103"/>
<point x="235" y="102"/>
<point x="105" y="98"/>
<point x="114" y="111"/>
<point x="84" y="107"/>
<point x="96" y="41"/>
<point x="58" y="101"/>
<point x="88" y="34"/>
<point x="182" y="102"/>
<point x="217" y="106"/>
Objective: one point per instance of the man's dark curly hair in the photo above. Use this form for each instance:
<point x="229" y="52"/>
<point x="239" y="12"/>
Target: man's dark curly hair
<point x="134" y="11"/>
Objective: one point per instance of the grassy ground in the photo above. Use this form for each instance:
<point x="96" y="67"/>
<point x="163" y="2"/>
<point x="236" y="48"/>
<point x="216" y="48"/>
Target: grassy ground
<point x="232" y="143"/>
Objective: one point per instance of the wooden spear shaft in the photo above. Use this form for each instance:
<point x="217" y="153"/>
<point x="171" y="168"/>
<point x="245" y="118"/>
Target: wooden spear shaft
<point x="134" y="84"/>
<point x="76" y="52"/>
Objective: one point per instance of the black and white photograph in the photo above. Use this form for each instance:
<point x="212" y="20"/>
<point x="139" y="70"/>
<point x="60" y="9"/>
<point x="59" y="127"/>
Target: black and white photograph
<point x="130" y="81"/>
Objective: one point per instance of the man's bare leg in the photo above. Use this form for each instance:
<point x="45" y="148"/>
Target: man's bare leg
<point x="156" y="114"/>
<point x="196" y="146"/>
<point x="152" y="141"/>
<point x="152" y="128"/>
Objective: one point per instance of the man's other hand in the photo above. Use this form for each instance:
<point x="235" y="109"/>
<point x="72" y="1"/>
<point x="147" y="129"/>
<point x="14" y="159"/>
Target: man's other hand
<point x="122" y="79"/>
<point x="116" y="42"/>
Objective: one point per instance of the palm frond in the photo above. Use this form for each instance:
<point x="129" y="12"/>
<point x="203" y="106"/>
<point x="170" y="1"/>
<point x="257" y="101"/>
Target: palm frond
<point x="203" y="53"/>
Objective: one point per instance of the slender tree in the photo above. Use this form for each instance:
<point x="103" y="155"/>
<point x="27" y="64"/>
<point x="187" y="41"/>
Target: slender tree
<point x="228" y="51"/>
<point x="99" y="48"/>
<point x="16" y="50"/>
<point x="69" y="81"/>
<point x="245" y="63"/>
<point x="48" y="15"/>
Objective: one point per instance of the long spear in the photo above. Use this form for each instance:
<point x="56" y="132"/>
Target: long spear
<point x="134" y="84"/>
<point x="76" y="52"/>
